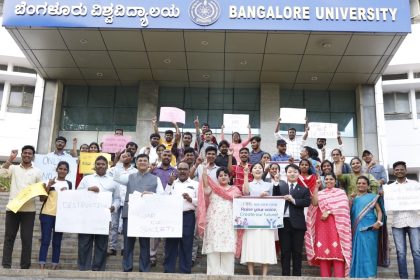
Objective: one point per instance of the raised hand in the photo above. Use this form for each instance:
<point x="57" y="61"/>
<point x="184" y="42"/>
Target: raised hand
<point x="196" y="122"/>
<point x="230" y="152"/>
<point x="13" y="155"/>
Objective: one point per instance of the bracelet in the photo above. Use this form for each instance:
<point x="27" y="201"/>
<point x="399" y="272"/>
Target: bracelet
<point x="380" y="223"/>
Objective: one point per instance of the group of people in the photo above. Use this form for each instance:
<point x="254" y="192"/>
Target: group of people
<point x="344" y="226"/>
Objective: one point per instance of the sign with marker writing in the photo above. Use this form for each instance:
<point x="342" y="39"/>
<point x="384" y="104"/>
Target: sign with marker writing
<point x="48" y="165"/>
<point x="322" y="130"/>
<point x="402" y="197"/>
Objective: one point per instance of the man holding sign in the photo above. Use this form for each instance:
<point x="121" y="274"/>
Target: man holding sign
<point x="405" y="223"/>
<point x="22" y="175"/>
<point x="98" y="182"/>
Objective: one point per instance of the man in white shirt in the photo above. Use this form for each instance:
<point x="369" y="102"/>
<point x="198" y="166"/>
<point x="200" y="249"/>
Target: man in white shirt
<point x="151" y="149"/>
<point x="187" y="189"/>
<point x="293" y="145"/>
<point x="97" y="182"/>
<point x="22" y="175"/>
<point x="405" y="223"/>
<point x="324" y="152"/>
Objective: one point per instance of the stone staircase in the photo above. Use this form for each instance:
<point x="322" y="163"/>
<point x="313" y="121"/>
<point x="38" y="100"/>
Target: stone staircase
<point x="68" y="259"/>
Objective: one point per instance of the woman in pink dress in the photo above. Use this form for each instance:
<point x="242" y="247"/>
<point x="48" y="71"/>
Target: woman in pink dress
<point x="237" y="143"/>
<point x="328" y="235"/>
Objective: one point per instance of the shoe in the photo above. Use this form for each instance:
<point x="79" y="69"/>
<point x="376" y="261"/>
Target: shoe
<point x="152" y="263"/>
<point x="111" y="252"/>
<point x="122" y="252"/>
<point x="54" y="266"/>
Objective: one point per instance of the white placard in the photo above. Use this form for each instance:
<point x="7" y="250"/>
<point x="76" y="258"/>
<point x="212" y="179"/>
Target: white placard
<point x="402" y="197"/>
<point x="172" y="114"/>
<point x="83" y="212"/>
<point x="293" y="115"/>
<point x="322" y="130"/>
<point x="48" y="165"/>
<point x="236" y="123"/>
<point x="153" y="215"/>
<point x="251" y="212"/>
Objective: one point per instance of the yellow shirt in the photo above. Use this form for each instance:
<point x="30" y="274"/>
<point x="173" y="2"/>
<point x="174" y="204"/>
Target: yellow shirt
<point x="50" y="206"/>
<point x="168" y="146"/>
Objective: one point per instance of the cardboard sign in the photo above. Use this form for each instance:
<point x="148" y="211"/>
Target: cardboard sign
<point x="293" y="115"/>
<point x="83" y="212"/>
<point x="172" y="114"/>
<point x="402" y="197"/>
<point x="48" y="165"/>
<point x="252" y="212"/>
<point x="153" y="215"/>
<point x="236" y="123"/>
<point x="322" y="130"/>
<point x="25" y="195"/>
<point x="87" y="162"/>
<point x="114" y="143"/>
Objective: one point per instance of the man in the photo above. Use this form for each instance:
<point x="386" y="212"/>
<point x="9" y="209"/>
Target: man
<point x="281" y="148"/>
<point x="324" y="152"/>
<point x="197" y="169"/>
<point x="168" y="140"/>
<point x="294" y="144"/>
<point x="405" y="223"/>
<point x="133" y="147"/>
<point x="164" y="171"/>
<point x="145" y="182"/>
<point x="151" y="149"/>
<point x="237" y="171"/>
<point x="204" y="127"/>
<point x="256" y="152"/>
<point x="187" y="189"/>
<point x="21" y="175"/>
<point x="100" y="181"/>
<point x="179" y="153"/>
<point x="222" y="158"/>
<point x="292" y="234"/>
<point x="189" y="156"/>
<point x="207" y="142"/>
<point x="371" y="167"/>
<point x="119" y="131"/>
<point x="120" y="173"/>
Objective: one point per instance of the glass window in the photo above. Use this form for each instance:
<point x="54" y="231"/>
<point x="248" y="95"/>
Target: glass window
<point x="1" y="92"/>
<point x="21" y="99"/>
<point x="317" y="101"/>
<point x="23" y="70"/>
<point x="391" y="77"/>
<point x="99" y="108"/>
<point x="418" y="104"/>
<point x="397" y="106"/>
<point x="3" y="67"/>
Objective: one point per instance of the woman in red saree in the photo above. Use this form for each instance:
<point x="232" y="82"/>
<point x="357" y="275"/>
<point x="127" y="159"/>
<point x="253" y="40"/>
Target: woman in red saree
<point x="306" y="177"/>
<point x="328" y="235"/>
<point x="214" y="217"/>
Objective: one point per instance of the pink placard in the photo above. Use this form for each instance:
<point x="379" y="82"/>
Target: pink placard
<point x="114" y="143"/>
<point x="172" y="114"/>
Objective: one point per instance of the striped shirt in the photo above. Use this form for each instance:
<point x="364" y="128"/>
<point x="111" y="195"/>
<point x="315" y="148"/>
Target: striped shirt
<point x="403" y="219"/>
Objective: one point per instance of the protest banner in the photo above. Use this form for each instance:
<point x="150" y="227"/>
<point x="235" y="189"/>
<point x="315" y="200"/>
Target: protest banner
<point x="293" y="115"/>
<point x="48" y="165"/>
<point x="172" y="114"/>
<point x="402" y="197"/>
<point x="236" y="123"/>
<point x="87" y="162"/>
<point x="25" y="195"/>
<point x="153" y="215"/>
<point x="83" y="212"/>
<point x="322" y="130"/>
<point x="253" y="212"/>
<point x="114" y="143"/>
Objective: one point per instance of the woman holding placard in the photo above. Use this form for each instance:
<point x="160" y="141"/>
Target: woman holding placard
<point x="48" y="213"/>
<point x="215" y="216"/>
<point x="258" y="245"/>
<point x="237" y="143"/>
<point x="366" y="220"/>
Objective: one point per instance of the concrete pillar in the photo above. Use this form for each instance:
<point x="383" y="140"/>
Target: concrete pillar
<point x="367" y="132"/>
<point x="50" y="116"/>
<point x="147" y="108"/>
<point x="269" y="112"/>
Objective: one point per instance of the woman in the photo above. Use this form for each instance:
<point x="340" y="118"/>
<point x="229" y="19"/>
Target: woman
<point x="237" y="143"/>
<point x="336" y="157"/>
<point x="327" y="167"/>
<point x="94" y="147"/>
<point x="349" y="180"/>
<point x="265" y="161"/>
<point x="47" y="216"/>
<point x="307" y="178"/>
<point x="311" y="155"/>
<point x="215" y="216"/>
<point x="366" y="220"/>
<point x="328" y="238"/>
<point x="270" y="173"/>
<point x="258" y="245"/>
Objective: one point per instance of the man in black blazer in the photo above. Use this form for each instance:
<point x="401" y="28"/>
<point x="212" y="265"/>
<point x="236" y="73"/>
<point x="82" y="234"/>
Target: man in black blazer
<point x="292" y="234"/>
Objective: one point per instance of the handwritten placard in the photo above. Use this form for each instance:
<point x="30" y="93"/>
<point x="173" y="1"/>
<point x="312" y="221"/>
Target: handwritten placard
<point x="154" y="215"/>
<point x="48" y="165"/>
<point x="87" y="162"/>
<point x="114" y="143"/>
<point x="172" y="114"/>
<point x="83" y="212"/>
<point x="25" y="195"/>
<point x="402" y="197"/>
<point x="293" y="115"/>
<point x="322" y="130"/>
<point x="252" y="212"/>
<point x="236" y="123"/>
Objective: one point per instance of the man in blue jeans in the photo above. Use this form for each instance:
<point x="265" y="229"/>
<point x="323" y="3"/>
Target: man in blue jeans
<point x="405" y="222"/>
